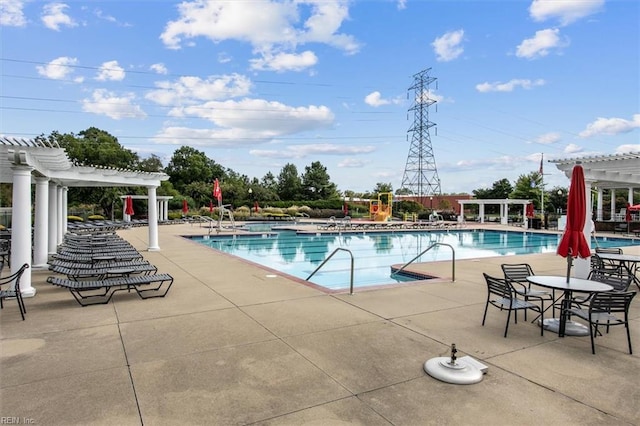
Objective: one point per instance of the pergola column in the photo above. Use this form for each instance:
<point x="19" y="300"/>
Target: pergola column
<point x="21" y="226"/>
<point x="41" y="225"/>
<point x="152" y="219"/>
<point x="481" y="210"/>
<point x="613" y="203"/>
<point x="599" y="207"/>
<point x="65" y="214"/>
<point x="52" y="218"/>
<point x="59" y="212"/>
<point x="630" y="196"/>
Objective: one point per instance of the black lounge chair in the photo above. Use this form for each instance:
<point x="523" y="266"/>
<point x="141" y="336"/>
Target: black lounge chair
<point x="100" y="273"/>
<point x="96" y="292"/>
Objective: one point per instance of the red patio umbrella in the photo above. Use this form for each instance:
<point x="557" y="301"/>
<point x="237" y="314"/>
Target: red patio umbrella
<point x="128" y="206"/>
<point x="634" y="208"/>
<point x="185" y="207"/>
<point x="530" y="211"/>
<point x="210" y="206"/>
<point x="573" y="243"/>
<point x="217" y="192"/>
<point x="256" y="206"/>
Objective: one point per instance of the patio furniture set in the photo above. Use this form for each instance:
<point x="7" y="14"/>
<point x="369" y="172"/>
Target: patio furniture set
<point x="601" y="301"/>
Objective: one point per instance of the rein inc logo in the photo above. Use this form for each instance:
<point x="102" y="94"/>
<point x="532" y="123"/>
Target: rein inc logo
<point x="7" y="420"/>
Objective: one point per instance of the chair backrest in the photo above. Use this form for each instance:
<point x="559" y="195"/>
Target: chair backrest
<point x="613" y="250"/>
<point x="611" y="302"/>
<point x="596" y="261"/>
<point x="619" y="280"/>
<point x="14" y="278"/>
<point x="517" y="272"/>
<point x="499" y="287"/>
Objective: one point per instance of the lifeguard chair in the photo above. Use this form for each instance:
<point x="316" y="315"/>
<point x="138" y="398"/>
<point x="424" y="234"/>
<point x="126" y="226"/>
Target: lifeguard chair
<point x="380" y="209"/>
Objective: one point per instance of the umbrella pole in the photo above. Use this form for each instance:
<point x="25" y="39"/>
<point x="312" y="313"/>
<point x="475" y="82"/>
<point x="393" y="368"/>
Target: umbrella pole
<point x="569" y="263"/>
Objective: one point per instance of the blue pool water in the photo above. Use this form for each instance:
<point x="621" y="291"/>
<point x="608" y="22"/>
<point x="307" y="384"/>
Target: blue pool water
<point x="300" y="254"/>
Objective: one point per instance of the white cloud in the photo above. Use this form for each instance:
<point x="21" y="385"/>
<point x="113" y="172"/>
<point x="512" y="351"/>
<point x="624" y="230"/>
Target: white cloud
<point x="189" y="90"/>
<point x="303" y="151"/>
<point x="159" y="68"/>
<point x="59" y="68"/>
<point x="572" y="148"/>
<point x="375" y="99"/>
<point x="565" y="11"/>
<point x="272" y="29"/>
<point x="353" y="163"/>
<point x="509" y="86"/>
<point x="541" y="44"/>
<point x="611" y="126"/>
<point x="448" y="47"/>
<point x="548" y="138"/>
<point x="110" y="71"/>
<point x="402" y="4"/>
<point x="269" y="119"/>
<point x="54" y="16"/>
<point x="248" y="121"/>
<point x="103" y="102"/>
<point x="11" y="13"/>
<point x="285" y="61"/>
<point x="224" y="57"/>
<point x="623" y="149"/>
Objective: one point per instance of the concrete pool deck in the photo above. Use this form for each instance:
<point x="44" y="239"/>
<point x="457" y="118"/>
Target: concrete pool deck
<point x="232" y="345"/>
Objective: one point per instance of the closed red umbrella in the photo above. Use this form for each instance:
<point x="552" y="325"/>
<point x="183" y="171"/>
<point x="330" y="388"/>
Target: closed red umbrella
<point x="185" y="207"/>
<point x="573" y="243"/>
<point x="210" y="206"/>
<point x="530" y="211"/>
<point x="128" y="206"/>
<point x="217" y="192"/>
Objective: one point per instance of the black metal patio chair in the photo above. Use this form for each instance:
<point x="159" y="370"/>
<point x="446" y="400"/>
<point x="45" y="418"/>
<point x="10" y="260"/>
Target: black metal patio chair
<point x="10" y="288"/>
<point x="502" y="295"/>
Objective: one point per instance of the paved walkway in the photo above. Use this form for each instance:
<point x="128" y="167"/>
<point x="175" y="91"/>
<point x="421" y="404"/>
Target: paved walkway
<point x="230" y="345"/>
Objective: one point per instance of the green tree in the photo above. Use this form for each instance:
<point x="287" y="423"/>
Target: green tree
<point x="151" y="164"/>
<point x="528" y="187"/>
<point x="501" y="189"/>
<point x="382" y="187"/>
<point x="289" y="183"/>
<point x="316" y="183"/>
<point x="190" y="165"/>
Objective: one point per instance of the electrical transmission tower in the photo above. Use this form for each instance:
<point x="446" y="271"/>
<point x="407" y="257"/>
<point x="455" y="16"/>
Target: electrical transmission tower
<point x="420" y="173"/>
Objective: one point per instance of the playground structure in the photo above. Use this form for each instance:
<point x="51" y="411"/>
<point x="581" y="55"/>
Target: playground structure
<point x="381" y="209"/>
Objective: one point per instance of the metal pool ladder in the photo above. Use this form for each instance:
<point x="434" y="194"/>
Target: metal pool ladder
<point x="329" y="257"/>
<point x="453" y="260"/>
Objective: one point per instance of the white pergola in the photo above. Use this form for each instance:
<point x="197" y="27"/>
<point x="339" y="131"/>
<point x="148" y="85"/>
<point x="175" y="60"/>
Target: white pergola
<point x="45" y="165"/>
<point x="504" y="208"/>
<point x="604" y="172"/>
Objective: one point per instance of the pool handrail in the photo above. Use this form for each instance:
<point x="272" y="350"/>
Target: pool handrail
<point x="327" y="259"/>
<point x="453" y="260"/>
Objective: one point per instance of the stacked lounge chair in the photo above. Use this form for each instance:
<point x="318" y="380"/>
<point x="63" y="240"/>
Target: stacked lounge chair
<point x="97" y="266"/>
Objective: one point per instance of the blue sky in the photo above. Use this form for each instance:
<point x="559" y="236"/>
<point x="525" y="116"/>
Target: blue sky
<point x="258" y="84"/>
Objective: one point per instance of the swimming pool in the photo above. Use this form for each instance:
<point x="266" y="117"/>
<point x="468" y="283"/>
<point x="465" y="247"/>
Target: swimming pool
<point x="374" y="252"/>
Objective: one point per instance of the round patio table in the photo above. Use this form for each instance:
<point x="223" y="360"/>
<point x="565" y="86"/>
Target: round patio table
<point x="558" y="282"/>
<point x="629" y="262"/>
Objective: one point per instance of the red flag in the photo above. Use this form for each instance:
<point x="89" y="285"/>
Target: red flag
<point x="217" y="193"/>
